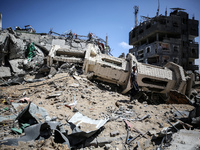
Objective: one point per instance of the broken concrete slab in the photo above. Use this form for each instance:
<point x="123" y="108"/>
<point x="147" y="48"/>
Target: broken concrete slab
<point x="17" y="65"/>
<point x="58" y="42"/>
<point x="5" y="72"/>
<point x="17" y="47"/>
<point x="185" y="139"/>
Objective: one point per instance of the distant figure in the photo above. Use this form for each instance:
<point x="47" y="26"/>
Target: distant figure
<point x="134" y="85"/>
<point x="101" y="47"/>
<point x="89" y="37"/>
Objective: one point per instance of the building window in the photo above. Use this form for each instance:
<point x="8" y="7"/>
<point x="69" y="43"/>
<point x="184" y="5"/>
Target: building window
<point x="175" y="24"/>
<point x="165" y="59"/>
<point x="140" y="51"/>
<point x="148" y="49"/>
<point x="148" y="26"/>
<point x="175" y="60"/>
<point x="141" y="31"/>
<point x="133" y="34"/>
<point x="184" y="21"/>
<point x="176" y="48"/>
<point x="193" y="51"/>
<point x="165" y="46"/>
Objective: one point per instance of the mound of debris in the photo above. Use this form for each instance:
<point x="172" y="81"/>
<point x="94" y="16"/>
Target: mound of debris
<point x="47" y="102"/>
<point x="71" y="112"/>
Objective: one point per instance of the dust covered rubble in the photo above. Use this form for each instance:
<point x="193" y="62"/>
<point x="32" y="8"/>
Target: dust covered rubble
<point x="63" y="96"/>
<point x="62" y="91"/>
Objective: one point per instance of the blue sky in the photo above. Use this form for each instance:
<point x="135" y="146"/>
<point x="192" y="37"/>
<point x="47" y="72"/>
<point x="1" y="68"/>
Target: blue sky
<point x="114" y="18"/>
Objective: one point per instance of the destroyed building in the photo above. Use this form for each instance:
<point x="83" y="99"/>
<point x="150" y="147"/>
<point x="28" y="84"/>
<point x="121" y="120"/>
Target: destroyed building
<point x="39" y="107"/>
<point x="163" y="39"/>
<point x="23" y="51"/>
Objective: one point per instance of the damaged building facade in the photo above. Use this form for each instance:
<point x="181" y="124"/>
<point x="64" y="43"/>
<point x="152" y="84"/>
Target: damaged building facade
<point x="163" y="39"/>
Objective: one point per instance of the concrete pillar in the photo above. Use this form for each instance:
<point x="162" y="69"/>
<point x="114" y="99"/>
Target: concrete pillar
<point x="0" y="21"/>
<point x="157" y="37"/>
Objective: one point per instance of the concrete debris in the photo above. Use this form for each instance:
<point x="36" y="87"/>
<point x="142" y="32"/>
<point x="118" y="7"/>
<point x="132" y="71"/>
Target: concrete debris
<point x="17" y="66"/>
<point x="81" y="95"/>
<point x="185" y="139"/>
<point x="5" y="72"/>
<point x="86" y="99"/>
<point x="89" y="56"/>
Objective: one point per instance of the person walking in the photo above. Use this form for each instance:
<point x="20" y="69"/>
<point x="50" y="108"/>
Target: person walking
<point x="134" y="85"/>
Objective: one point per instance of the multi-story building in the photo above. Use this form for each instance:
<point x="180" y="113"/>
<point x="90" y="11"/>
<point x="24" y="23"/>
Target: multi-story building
<point x="161" y="39"/>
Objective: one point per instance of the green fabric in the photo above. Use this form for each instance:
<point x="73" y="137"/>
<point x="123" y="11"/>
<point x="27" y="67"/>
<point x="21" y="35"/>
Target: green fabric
<point x="20" y="130"/>
<point x="31" y="52"/>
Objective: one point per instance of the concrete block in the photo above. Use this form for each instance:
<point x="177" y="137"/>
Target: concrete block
<point x="15" y="63"/>
<point x="104" y="140"/>
<point x="185" y="139"/>
<point x="5" y="72"/>
<point x="114" y="133"/>
<point x="58" y="42"/>
<point x="107" y="146"/>
<point x="147" y="143"/>
<point x="17" y="48"/>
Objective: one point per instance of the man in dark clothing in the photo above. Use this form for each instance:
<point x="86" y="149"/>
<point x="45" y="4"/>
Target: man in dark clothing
<point x="134" y="85"/>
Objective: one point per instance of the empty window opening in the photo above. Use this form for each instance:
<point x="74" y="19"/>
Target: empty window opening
<point x="176" y="48"/>
<point x="175" y="60"/>
<point x="148" y="49"/>
<point x="190" y="63"/>
<point x="153" y="60"/>
<point x="175" y="24"/>
<point x="193" y="51"/>
<point x="117" y="63"/>
<point x="154" y="82"/>
<point x="148" y="26"/>
<point x="140" y="52"/>
<point x="165" y="59"/>
<point x="165" y="46"/>
<point x="141" y="31"/>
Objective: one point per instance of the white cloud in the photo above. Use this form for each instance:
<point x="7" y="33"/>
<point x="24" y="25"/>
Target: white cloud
<point x="125" y="45"/>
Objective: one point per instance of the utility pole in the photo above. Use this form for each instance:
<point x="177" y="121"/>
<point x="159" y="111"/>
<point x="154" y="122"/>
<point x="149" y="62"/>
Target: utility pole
<point x="136" y="8"/>
<point x="158" y="8"/>
<point x="0" y="21"/>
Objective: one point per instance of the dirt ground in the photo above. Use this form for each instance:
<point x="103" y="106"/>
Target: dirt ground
<point x="94" y="102"/>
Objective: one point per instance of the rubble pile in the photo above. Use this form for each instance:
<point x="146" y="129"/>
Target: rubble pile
<point x="57" y="107"/>
<point x="126" y="125"/>
<point x="24" y="52"/>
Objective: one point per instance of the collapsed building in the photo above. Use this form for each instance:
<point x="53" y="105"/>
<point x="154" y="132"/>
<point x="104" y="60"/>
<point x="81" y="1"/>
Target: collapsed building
<point x="163" y="39"/>
<point x="23" y="51"/>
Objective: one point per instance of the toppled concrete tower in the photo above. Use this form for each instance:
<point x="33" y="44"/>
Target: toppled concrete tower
<point x="118" y="70"/>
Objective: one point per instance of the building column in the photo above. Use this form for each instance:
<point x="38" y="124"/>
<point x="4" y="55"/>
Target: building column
<point x="157" y="37"/>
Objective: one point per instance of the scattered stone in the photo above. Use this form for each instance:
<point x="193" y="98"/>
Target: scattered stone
<point x="107" y="146"/>
<point x="114" y="133"/>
